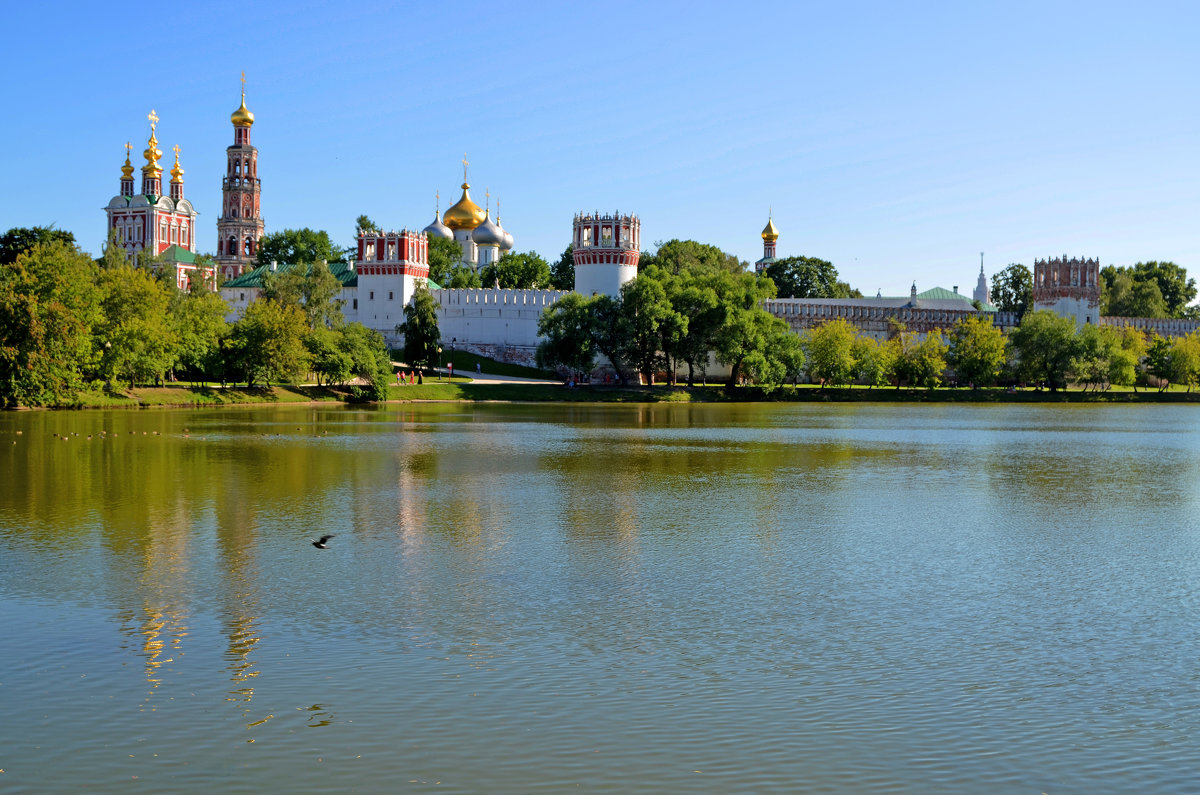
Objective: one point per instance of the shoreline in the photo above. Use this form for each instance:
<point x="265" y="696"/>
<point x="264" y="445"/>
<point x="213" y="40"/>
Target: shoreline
<point x="190" y="397"/>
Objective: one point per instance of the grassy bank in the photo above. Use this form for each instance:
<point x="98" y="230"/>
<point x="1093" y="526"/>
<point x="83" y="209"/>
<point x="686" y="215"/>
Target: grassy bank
<point x="466" y="391"/>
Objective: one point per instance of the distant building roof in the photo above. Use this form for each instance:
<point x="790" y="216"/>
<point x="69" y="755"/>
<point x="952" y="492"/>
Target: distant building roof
<point x="254" y="279"/>
<point x="175" y="253"/>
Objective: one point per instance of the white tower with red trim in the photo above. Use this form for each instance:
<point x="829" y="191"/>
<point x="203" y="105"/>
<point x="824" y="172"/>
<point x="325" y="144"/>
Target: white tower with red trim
<point x="606" y="252"/>
<point x="390" y="267"/>
<point x="241" y="224"/>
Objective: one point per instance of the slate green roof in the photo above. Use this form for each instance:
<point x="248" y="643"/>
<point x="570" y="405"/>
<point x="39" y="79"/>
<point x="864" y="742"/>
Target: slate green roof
<point x="942" y="294"/>
<point x="254" y="279"/>
<point x="174" y="253"/>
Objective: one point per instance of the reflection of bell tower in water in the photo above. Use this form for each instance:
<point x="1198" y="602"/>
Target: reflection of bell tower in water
<point x="240" y="224"/>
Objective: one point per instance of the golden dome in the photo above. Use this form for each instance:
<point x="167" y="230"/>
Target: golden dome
<point x="177" y="171"/>
<point x="242" y="117"/>
<point x="465" y="214"/>
<point x="152" y="154"/>
<point x="127" y="169"/>
<point x="770" y="233"/>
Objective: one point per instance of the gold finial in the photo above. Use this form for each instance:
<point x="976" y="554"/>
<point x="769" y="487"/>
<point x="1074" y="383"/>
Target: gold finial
<point x="465" y="164"/>
<point x="153" y="117"/>
<point x="487" y="198"/>
<point x="497" y="209"/>
<point x="437" y="205"/>
<point x="243" y="83"/>
<point x="177" y="171"/>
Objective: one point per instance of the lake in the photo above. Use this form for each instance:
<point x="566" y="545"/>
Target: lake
<point x="602" y="598"/>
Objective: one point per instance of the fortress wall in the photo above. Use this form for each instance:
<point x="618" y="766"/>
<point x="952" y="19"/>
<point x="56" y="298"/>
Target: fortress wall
<point x="873" y="321"/>
<point x="1164" y="327"/>
<point x="492" y="319"/>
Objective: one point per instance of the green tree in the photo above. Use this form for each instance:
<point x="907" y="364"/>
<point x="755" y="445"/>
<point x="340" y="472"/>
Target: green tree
<point x="648" y="316"/>
<point x="1012" y="290"/>
<point x="137" y="340"/>
<point x="322" y="306"/>
<point x="329" y="363"/>
<point x="1124" y="295"/>
<point x="873" y="362"/>
<point x="1185" y="360"/>
<point x="49" y="303"/>
<point x="20" y="239"/>
<point x="745" y="326"/>
<point x="422" y="338"/>
<point x="267" y="343"/>
<point x="780" y="359"/>
<point x="830" y="349"/>
<point x="1158" y="360"/>
<point x="1095" y="347"/>
<point x="462" y="277"/>
<point x="517" y="271"/>
<point x="607" y="328"/>
<point x="927" y="361"/>
<point x="808" y="277"/>
<point x="1124" y="364"/>
<point x="297" y="246"/>
<point x="562" y="272"/>
<point x="694" y="297"/>
<point x="365" y="224"/>
<point x="678" y="256"/>
<point x="566" y="331"/>
<point x="1120" y="298"/>
<point x="369" y="360"/>
<point x="1044" y="344"/>
<point x="197" y="319"/>
<point x="445" y="256"/>
<point x="978" y="351"/>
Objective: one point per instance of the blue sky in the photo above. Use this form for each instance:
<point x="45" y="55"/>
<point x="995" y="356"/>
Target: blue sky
<point x="898" y="140"/>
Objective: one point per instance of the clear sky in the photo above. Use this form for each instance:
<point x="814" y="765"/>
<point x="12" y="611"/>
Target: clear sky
<point x="898" y="140"/>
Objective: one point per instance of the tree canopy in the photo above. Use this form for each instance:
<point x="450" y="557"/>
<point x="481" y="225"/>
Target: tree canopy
<point x="808" y="277"/>
<point x="517" y="271"/>
<point x="445" y="256"/>
<point x="1147" y="289"/>
<point x="677" y="256"/>
<point x="562" y="272"/>
<point x="20" y="239"/>
<point x="297" y="246"/>
<point x="1012" y="290"/>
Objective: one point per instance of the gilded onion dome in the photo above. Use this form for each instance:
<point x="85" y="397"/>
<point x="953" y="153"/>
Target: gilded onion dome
<point x="127" y="169"/>
<point x="438" y="229"/>
<point x="177" y="171"/>
<point x="242" y="117"/>
<point x="770" y="233"/>
<point x="487" y="233"/>
<point x="152" y="154"/>
<point x="465" y="214"/>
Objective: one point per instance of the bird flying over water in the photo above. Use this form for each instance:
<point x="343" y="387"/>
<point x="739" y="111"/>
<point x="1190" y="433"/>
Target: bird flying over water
<point x="320" y="542"/>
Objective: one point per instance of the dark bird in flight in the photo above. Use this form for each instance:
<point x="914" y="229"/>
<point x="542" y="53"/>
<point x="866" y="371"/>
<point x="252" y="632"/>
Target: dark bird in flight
<point x="320" y="542"/>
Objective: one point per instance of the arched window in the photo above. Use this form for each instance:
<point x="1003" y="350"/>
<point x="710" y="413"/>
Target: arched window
<point x="233" y="246"/>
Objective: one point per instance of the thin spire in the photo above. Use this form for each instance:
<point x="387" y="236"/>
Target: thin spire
<point x="243" y="87"/>
<point x="465" y="164"/>
<point x="437" y="204"/>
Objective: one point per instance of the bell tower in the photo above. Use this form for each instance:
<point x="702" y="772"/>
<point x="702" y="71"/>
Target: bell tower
<point x="240" y="225"/>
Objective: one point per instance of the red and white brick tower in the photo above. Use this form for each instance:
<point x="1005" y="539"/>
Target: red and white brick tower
<point x="241" y="224"/>
<point x="1068" y="287"/>
<point x="606" y="252"/>
<point x="149" y="221"/>
<point x="390" y="267"/>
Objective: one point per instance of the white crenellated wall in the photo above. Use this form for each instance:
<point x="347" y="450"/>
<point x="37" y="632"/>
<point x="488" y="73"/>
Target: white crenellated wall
<point x="484" y="317"/>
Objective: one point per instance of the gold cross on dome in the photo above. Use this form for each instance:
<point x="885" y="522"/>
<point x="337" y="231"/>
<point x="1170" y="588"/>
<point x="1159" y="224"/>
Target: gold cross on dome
<point x="465" y="164"/>
<point x="487" y="197"/>
<point x="128" y="149"/>
<point x="243" y="79"/>
<point x="175" y="149"/>
<point x="153" y="117"/>
<point x="438" y="198"/>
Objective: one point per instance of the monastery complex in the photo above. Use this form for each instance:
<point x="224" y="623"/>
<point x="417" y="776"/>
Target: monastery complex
<point x="388" y="267"/>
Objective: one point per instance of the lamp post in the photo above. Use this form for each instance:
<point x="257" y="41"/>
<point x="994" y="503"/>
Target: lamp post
<point x="450" y="368"/>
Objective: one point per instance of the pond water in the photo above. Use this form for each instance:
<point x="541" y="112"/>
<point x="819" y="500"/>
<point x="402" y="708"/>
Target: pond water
<point x="536" y="598"/>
